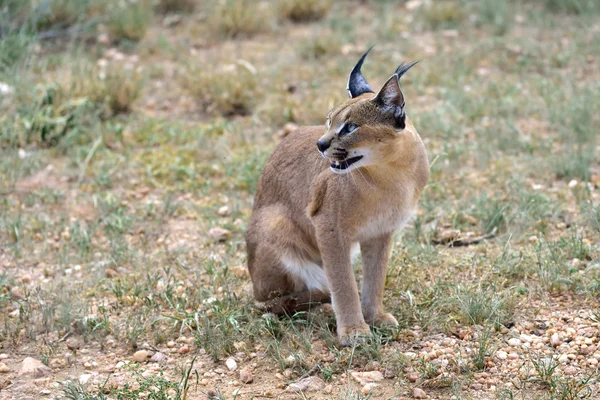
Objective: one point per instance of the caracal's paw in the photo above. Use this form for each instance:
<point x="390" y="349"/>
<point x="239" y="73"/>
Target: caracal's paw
<point x="384" y="320"/>
<point x="354" y="335"/>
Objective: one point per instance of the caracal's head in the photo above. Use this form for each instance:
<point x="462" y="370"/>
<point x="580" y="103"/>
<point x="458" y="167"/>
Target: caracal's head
<point x="360" y="131"/>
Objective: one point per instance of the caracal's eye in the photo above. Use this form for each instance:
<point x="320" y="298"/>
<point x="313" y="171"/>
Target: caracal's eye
<point x="328" y="123"/>
<point x="348" y="128"/>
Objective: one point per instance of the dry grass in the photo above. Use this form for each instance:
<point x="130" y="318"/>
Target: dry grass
<point x="240" y="18"/>
<point x="129" y="20"/>
<point x="232" y="89"/>
<point x="303" y="10"/>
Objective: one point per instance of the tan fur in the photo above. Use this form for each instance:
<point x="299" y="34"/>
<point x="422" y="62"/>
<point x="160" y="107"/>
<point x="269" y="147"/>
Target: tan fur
<point x="307" y="216"/>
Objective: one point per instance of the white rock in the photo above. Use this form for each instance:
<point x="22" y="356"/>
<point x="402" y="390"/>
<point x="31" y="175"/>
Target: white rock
<point x="514" y="342"/>
<point x="45" y="392"/>
<point x="563" y="358"/>
<point x="310" y="384"/>
<point x="223" y="211"/>
<point x="5" y="88"/>
<point x="34" y="367"/>
<point x="502" y="355"/>
<point x="4" y="368"/>
<point x="368" y="388"/>
<point x="525" y="338"/>
<point x="555" y="340"/>
<point x="85" y="378"/>
<point x="231" y="364"/>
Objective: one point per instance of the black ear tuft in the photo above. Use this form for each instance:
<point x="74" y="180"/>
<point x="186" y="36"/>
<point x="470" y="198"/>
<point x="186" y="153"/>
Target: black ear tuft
<point x="357" y="84"/>
<point x="402" y="68"/>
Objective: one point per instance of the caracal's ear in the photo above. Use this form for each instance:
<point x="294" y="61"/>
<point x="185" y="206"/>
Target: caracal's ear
<point x="391" y="99"/>
<point x="357" y="84"/>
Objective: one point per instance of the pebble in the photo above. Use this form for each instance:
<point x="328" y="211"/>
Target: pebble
<point x="84" y="378"/>
<point x="513" y="356"/>
<point x="140" y="356"/>
<point x="563" y="358"/>
<point x="413" y="376"/>
<point x="74" y="343"/>
<point x="3" y="356"/>
<point x="45" y="392"/>
<point x="34" y="367"/>
<point x="231" y="364"/>
<point x="368" y="388"/>
<point x="570" y="370"/>
<point x="328" y="389"/>
<point x="367" y="377"/>
<point x="184" y="350"/>
<point x="502" y="355"/>
<point x="110" y="273"/>
<point x="4" y="368"/>
<point x="310" y="384"/>
<point x="555" y="340"/>
<point x="246" y="375"/>
<point x="419" y="393"/>
<point x="223" y="211"/>
<point x="159" y="357"/>
<point x="514" y="342"/>
<point x="219" y="234"/>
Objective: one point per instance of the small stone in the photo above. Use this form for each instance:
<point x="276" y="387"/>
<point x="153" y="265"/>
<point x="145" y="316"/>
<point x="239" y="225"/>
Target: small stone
<point x="563" y="358"/>
<point x="231" y="364"/>
<point x="159" y="357"/>
<point x="184" y="350"/>
<point x="514" y="342"/>
<point x="555" y="340"/>
<point x="110" y="273"/>
<point x="25" y="279"/>
<point x="419" y="393"/>
<point x="4" y="368"/>
<point x="413" y="376"/>
<point x="171" y="344"/>
<point x="84" y="378"/>
<point x="34" y="367"/>
<point x="367" y="377"/>
<point x="219" y="234"/>
<point x="310" y="384"/>
<point x="140" y="356"/>
<point x="45" y="392"/>
<point x="328" y="389"/>
<point x="502" y="355"/>
<point x="570" y="370"/>
<point x="223" y="211"/>
<point x="246" y="375"/>
<point x="74" y="343"/>
<point x="513" y="356"/>
<point x="3" y="356"/>
<point x="103" y="39"/>
<point x="368" y="388"/>
<point x="16" y="293"/>
<point x="573" y="183"/>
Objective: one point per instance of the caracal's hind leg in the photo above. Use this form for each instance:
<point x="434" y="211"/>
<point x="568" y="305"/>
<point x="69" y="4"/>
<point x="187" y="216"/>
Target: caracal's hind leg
<point x="284" y="281"/>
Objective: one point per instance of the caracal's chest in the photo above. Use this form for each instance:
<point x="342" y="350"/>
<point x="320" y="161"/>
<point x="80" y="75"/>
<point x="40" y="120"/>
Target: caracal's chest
<point x="387" y="213"/>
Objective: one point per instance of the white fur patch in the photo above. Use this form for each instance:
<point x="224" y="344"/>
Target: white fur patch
<point x="306" y="274"/>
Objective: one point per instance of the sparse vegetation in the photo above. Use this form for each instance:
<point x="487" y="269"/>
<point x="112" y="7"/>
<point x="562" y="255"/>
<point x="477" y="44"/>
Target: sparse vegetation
<point x="126" y="139"/>
<point x="304" y="10"/>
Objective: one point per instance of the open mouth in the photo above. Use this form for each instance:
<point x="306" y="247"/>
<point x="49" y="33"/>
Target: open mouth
<point x="342" y="165"/>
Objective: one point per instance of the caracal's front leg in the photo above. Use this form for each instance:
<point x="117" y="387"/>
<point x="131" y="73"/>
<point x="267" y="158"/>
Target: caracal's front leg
<point x="375" y="255"/>
<point x="335" y="252"/>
